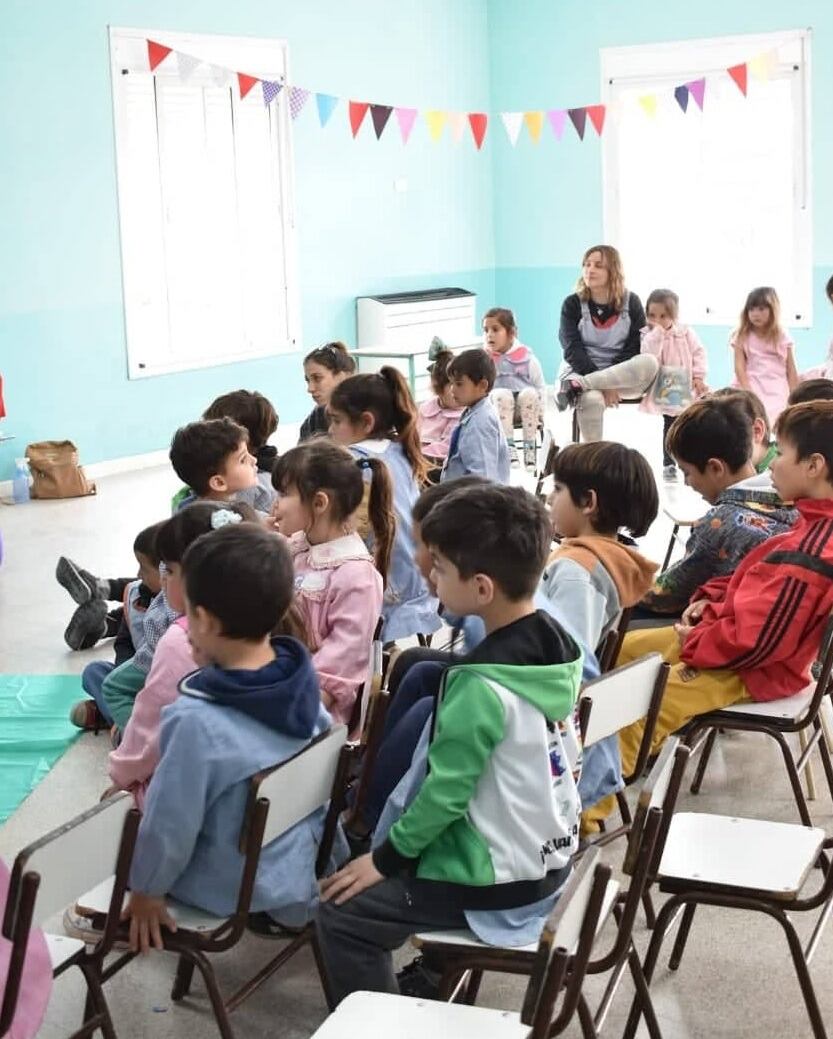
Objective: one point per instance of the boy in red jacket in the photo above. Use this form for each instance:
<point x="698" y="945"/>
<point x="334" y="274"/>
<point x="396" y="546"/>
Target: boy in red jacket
<point x="753" y="634"/>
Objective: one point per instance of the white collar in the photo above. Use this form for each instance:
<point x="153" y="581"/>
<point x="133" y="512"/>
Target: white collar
<point x="374" y="447"/>
<point x="330" y="554"/>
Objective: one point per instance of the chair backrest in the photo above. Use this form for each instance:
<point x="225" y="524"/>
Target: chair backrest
<point x="79" y="855"/>
<point x="659" y="792"/>
<point x="608" y="650"/>
<point x="622" y="696"/>
<point x="18" y="936"/>
<point x="371" y="689"/>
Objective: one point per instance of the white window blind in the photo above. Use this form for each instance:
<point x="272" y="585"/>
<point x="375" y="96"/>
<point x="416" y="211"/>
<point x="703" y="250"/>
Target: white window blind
<point x="712" y="203"/>
<point x="204" y="204"/>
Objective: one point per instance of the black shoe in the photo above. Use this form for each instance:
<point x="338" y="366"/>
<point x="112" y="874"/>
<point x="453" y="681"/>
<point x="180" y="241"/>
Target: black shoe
<point x="80" y="584"/>
<point x="87" y="625"/>
<point x="415" y="979"/>
<point x="568" y="394"/>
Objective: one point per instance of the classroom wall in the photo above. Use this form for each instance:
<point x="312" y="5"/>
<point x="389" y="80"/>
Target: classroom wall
<point x="548" y="198"/>
<point x="62" y="347"/>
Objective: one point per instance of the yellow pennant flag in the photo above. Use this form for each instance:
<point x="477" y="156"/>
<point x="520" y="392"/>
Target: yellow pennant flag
<point x="436" y="122"/>
<point x="649" y="104"/>
<point x="534" y="124"/>
<point x="763" y="65"/>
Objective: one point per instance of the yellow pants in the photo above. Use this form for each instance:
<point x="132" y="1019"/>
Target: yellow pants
<point x="689" y="692"/>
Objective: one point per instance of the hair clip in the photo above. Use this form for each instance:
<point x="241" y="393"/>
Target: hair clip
<point x="363" y="463"/>
<point x="224" y="517"/>
<point x="436" y="347"/>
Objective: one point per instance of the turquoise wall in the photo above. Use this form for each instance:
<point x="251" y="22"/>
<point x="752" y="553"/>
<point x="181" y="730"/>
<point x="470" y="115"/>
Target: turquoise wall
<point x="548" y="198"/>
<point x="62" y="349"/>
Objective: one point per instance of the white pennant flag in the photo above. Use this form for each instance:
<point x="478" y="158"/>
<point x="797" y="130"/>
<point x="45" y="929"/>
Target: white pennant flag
<point x="512" y="122"/>
<point x="457" y="123"/>
<point x="186" y="63"/>
<point x="220" y="76"/>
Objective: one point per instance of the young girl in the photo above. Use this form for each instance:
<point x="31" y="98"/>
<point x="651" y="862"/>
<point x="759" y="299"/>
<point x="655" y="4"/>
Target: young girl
<point x="439" y="415"/>
<point x="260" y="420"/>
<point x="682" y="365"/>
<point x="519" y="384"/>
<point x="324" y="368"/>
<point x="375" y="416"/>
<point x="764" y="359"/>
<point x="338" y="589"/>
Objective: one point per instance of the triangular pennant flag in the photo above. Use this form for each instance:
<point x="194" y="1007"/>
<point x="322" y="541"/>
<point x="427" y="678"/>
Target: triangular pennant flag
<point x="271" y="89"/>
<point x="557" y="118"/>
<point x="649" y="104"/>
<point x="697" y="89"/>
<point x="246" y="83"/>
<point x="436" y="122"/>
<point x="534" y="122"/>
<point x="156" y="52"/>
<point x="681" y="94"/>
<point x="457" y="124"/>
<point x="597" y="117"/>
<point x="578" y="117"/>
<point x="763" y="65"/>
<point x="380" y="115"/>
<point x="406" y="117"/>
<point x="326" y="104"/>
<point x="512" y="122"/>
<point x="297" y="99"/>
<point x="358" y="110"/>
<point x="186" y="63"/>
<point x="219" y="75"/>
<point x="738" y="74"/>
<point x="478" y="121"/>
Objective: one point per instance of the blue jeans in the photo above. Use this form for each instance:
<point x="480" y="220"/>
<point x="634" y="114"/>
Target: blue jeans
<point x="92" y="679"/>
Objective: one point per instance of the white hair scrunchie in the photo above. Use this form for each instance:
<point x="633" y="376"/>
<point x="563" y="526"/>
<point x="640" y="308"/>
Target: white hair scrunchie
<point x="222" y="518"/>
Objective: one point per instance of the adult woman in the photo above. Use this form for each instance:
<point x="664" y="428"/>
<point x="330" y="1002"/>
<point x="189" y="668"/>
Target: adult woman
<point x="324" y="368"/>
<point x="599" y="334"/>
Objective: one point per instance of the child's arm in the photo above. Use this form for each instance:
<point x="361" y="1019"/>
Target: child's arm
<point x="572" y="345"/>
<point x="572" y="596"/>
<point x="476" y="450"/>
<point x="652" y="342"/>
<point x="792" y="372"/>
<point x="699" y="361"/>
<point x="673" y="589"/>
<point x="740" y="365"/>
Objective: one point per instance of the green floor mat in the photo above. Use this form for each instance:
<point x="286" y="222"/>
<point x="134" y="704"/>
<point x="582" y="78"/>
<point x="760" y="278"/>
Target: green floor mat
<point x="35" y="730"/>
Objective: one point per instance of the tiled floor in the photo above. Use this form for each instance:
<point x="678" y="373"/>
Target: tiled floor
<point x="736" y="978"/>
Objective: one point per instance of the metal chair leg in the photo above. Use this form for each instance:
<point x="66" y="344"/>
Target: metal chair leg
<point x="666" y="915"/>
<point x="804" y="979"/>
<point x="214" y="994"/>
<point x="101" y="1018"/>
<point x="809" y="777"/>
<point x="648" y="906"/>
<point x="682" y="936"/>
<point x="702" y="764"/>
<point x="182" y="979"/>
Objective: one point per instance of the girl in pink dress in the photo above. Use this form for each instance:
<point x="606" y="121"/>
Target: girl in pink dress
<point x="764" y="358"/>
<point x="439" y="415"/>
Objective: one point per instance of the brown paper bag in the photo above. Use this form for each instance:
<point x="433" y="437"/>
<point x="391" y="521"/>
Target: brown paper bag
<point x="55" y="470"/>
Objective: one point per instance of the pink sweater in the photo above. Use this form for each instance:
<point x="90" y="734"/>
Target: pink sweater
<point x="133" y="762"/>
<point x="436" y="424"/>
<point x="676" y="347"/>
<point x="339" y="593"/>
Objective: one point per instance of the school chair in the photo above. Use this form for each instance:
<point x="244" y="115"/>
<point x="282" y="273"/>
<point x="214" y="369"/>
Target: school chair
<point x="17" y="955"/>
<point x="607" y="652"/>
<point x="48" y="875"/>
<point x="683" y="508"/>
<point x="736" y="863"/>
<point x="279" y="798"/>
<point x="560" y="964"/>
<point x="546" y="461"/>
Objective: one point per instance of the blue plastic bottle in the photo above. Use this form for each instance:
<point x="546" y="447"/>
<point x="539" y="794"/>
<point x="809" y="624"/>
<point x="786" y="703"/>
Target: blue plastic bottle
<point x="20" y="481"/>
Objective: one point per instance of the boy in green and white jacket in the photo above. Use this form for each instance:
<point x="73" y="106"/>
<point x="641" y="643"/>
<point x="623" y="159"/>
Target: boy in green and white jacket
<point x="490" y="834"/>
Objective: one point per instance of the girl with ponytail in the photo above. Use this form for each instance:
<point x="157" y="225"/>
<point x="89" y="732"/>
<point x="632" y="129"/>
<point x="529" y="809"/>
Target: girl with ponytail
<point x="338" y="584"/>
<point x="374" y="415"/>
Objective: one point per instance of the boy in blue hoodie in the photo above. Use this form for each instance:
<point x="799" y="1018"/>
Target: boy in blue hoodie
<point x="254" y="704"/>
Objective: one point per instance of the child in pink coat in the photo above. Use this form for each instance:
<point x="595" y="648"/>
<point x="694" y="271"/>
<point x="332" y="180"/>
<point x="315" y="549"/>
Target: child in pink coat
<point x="440" y="414"/>
<point x="338" y="585"/>
<point x="764" y="356"/>
<point x="682" y="365"/>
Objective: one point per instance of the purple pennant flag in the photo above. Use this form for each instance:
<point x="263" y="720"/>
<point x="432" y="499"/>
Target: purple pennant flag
<point x="578" y="117"/>
<point x="557" y="117"/>
<point x="380" y="115"/>
<point x="271" y="89"/>
<point x="297" y="99"/>
<point x="697" y="89"/>
<point x="681" y="94"/>
<point x="326" y="103"/>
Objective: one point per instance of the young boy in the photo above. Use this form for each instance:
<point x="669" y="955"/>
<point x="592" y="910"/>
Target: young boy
<point x="763" y="446"/>
<point x="478" y="444"/>
<point x="712" y="444"/>
<point x="257" y="705"/>
<point x="811" y="389"/>
<point x="495" y="822"/>
<point x="753" y="634"/>
<point x="212" y="457"/>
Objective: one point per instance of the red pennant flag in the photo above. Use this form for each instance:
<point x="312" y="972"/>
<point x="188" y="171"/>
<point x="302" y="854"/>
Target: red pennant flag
<point x="156" y="53"/>
<point x="380" y="115"/>
<point x="597" y="117"/>
<point x="578" y="117"/>
<point x="358" y="110"/>
<point x="246" y="83"/>
<point x="478" y="121"/>
<point x="738" y="74"/>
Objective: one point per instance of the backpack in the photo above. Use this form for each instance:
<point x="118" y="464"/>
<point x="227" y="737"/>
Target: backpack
<point x="55" y="470"/>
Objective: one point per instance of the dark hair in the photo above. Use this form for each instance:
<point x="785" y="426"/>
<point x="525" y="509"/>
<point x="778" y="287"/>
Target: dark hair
<point x="809" y="428"/>
<point x="251" y="410"/>
<point x="334" y="356"/>
<point x="439" y="370"/>
<point x="320" y="465"/>
<point x="436" y="492"/>
<point x="200" y="449"/>
<point x="665" y="298"/>
<point x="811" y="389"/>
<point x="386" y="396"/>
<point x="828" y="288"/>
<point x="626" y="491"/>
<point x="243" y="576"/>
<point x="712" y="427"/>
<point x="145" y="542"/>
<point x="752" y="404"/>
<point x="503" y="532"/>
<point x="176" y="534"/>
<point x="476" y="364"/>
<point x="504" y="317"/>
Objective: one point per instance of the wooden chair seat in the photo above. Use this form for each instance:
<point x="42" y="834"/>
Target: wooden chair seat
<point x="790" y="708"/>
<point x="94" y="903"/>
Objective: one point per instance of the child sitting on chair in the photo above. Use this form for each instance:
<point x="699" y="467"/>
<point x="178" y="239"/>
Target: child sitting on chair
<point x="212" y="459"/>
<point x="255" y="705"/>
<point x="478" y="445"/>
<point x="440" y="414"/>
<point x="256" y="414"/>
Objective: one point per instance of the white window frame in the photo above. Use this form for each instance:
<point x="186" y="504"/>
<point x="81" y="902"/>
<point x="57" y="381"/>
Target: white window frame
<point x="266" y="59"/>
<point x="628" y="72"/>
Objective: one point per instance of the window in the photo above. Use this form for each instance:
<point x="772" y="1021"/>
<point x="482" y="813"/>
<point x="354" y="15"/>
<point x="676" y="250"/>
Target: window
<point x="204" y="204"/>
<point x="712" y="203"/>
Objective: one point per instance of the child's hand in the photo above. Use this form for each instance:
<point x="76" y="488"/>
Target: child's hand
<point x="700" y="388"/>
<point x="693" y="612"/>
<point x="611" y="398"/>
<point x="683" y="631"/>
<point x="356" y="877"/>
<point x="147" y="914"/>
